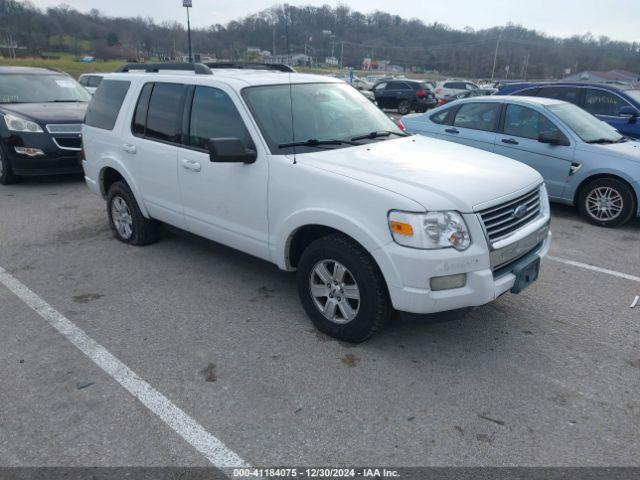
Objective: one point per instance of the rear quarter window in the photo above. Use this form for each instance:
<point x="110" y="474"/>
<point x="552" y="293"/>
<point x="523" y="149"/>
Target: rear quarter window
<point x="105" y="105"/>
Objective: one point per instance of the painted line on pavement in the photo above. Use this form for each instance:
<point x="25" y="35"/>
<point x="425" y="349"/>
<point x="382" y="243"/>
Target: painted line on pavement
<point x="593" y="268"/>
<point x="204" y="442"/>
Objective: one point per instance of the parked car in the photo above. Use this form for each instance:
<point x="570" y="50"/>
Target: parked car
<point x="451" y="87"/>
<point x="480" y="92"/>
<point x="619" y="106"/>
<point x="404" y="96"/>
<point x="303" y="171"/>
<point x="42" y="112"/>
<point x="584" y="161"/>
<point x="90" y="81"/>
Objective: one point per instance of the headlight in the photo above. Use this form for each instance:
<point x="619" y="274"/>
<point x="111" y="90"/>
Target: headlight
<point x="429" y="230"/>
<point x="19" y="124"/>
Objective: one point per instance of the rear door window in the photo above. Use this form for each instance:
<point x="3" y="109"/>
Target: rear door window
<point x="165" y="110"/>
<point x="477" y="116"/>
<point x="105" y="105"/>
<point x="568" y="94"/>
<point x="139" y="123"/>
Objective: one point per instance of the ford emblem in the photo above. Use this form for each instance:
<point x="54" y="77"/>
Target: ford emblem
<point x="520" y="211"/>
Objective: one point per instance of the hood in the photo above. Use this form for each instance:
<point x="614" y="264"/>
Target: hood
<point x="439" y="175"/>
<point x="52" y="112"/>
<point x="629" y="150"/>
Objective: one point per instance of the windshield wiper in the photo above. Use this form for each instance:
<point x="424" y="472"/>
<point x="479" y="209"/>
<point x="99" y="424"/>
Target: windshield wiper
<point x="63" y="101"/>
<point x="314" y="142"/>
<point x="378" y="134"/>
<point x="606" y="140"/>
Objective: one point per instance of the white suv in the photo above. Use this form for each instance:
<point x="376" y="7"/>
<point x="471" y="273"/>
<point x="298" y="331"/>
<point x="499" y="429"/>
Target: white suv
<point x="303" y="171"/>
<point x="453" y="87"/>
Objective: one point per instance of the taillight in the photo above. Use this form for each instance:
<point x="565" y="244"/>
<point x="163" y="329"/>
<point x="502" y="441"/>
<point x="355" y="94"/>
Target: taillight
<point x="421" y="93"/>
<point x="441" y="101"/>
<point x="401" y="125"/>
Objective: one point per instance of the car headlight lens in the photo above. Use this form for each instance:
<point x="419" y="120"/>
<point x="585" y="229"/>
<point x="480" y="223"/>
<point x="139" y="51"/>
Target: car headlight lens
<point x="19" y="124"/>
<point x="431" y="230"/>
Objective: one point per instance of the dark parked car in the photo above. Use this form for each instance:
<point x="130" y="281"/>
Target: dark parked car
<point x="404" y="96"/>
<point x="617" y="105"/>
<point x="42" y="112"/>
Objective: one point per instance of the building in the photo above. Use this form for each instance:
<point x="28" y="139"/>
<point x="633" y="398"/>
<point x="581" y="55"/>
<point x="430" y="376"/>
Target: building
<point x="612" y="76"/>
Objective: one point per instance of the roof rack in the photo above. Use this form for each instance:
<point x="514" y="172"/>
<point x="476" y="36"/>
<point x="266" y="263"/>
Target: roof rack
<point x="197" y="68"/>
<point x="276" y="67"/>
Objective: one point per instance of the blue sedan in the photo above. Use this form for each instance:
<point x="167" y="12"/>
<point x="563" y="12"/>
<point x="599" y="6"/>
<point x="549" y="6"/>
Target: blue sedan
<point x="584" y="161"/>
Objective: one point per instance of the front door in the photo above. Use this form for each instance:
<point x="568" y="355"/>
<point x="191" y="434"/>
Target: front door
<point x="606" y="106"/>
<point x="519" y="140"/>
<point x="225" y="202"/>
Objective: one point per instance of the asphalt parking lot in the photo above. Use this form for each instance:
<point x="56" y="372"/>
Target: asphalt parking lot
<point x="547" y="377"/>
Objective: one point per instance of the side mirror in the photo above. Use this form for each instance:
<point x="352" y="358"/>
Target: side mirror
<point x="629" y="112"/>
<point x="552" y="139"/>
<point x="230" y="150"/>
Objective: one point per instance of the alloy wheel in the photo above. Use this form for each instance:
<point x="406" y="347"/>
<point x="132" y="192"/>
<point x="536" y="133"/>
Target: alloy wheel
<point x="122" y="218"/>
<point x="604" y="203"/>
<point x="334" y="291"/>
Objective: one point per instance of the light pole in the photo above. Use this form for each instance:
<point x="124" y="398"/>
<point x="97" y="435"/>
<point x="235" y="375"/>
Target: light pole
<point x="188" y="4"/>
<point x="495" y="56"/>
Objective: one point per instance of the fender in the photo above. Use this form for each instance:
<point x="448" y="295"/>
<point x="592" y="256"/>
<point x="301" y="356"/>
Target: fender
<point x="108" y="160"/>
<point x="370" y="240"/>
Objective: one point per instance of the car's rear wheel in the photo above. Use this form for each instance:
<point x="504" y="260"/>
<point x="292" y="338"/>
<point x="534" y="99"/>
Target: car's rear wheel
<point x="342" y="289"/>
<point x="607" y="202"/>
<point x="404" y="107"/>
<point x="128" y="224"/>
<point x="7" y="177"/>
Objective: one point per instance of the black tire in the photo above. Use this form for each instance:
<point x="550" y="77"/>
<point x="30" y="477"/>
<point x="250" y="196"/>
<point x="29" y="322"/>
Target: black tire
<point x="621" y="188"/>
<point x="404" y="107"/>
<point x="374" y="306"/>
<point x="7" y="177"/>
<point x="143" y="230"/>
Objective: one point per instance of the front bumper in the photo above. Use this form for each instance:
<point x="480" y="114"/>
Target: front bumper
<point x="56" y="159"/>
<point x="408" y="272"/>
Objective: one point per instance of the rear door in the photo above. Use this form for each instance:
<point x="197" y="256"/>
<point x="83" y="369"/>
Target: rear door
<point x="475" y="124"/>
<point x="381" y="94"/>
<point x="518" y="139"/>
<point x="606" y="106"/>
<point x="567" y="94"/>
<point x="151" y="145"/>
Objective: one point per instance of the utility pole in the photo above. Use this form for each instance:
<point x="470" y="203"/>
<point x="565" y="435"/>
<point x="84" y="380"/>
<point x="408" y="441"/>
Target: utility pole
<point x="188" y="4"/>
<point x="274" y="40"/>
<point x="341" y="54"/>
<point x="495" y="56"/>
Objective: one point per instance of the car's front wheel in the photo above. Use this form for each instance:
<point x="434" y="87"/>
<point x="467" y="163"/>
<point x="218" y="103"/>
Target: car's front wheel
<point x="342" y="289"/>
<point x="128" y="224"/>
<point x="607" y="202"/>
<point x="7" y="177"/>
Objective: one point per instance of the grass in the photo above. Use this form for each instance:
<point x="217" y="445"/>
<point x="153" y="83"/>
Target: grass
<point x="65" y="63"/>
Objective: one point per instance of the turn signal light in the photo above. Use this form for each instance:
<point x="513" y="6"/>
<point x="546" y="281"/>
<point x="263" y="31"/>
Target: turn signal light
<point x="401" y="228"/>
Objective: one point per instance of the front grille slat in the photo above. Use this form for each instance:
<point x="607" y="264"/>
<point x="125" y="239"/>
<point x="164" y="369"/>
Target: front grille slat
<point x="500" y="222"/>
<point x="64" y="128"/>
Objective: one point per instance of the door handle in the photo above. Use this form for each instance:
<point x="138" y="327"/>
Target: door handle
<point x="191" y="165"/>
<point x="510" y="141"/>
<point x="127" y="147"/>
<point x="575" y="166"/>
<point x="452" y="130"/>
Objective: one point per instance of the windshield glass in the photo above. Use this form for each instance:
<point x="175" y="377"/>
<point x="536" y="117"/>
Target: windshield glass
<point x="585" y="125"/>
<point x="321" y="111"/>
<point x="635" y="94"/>
<point x="29" y="88"/>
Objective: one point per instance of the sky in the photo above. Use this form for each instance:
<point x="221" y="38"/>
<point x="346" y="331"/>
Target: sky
<point x="617" y="19"/>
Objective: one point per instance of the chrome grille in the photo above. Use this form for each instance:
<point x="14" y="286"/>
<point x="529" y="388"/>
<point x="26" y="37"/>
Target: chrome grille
<point x="64" y="128"/>
<point x="501" y="221"/>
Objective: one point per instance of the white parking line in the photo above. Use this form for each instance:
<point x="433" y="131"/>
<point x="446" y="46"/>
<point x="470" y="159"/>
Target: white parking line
<point x="213" y="449"/>
<point x="593" y="268"/>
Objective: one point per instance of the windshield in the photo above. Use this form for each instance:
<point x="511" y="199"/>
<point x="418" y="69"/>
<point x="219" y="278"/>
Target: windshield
<point x="34" y="88"/>
<point x="634" y="94"/>
<point x="585" y="125"/>
<point x="321" y="111"/>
